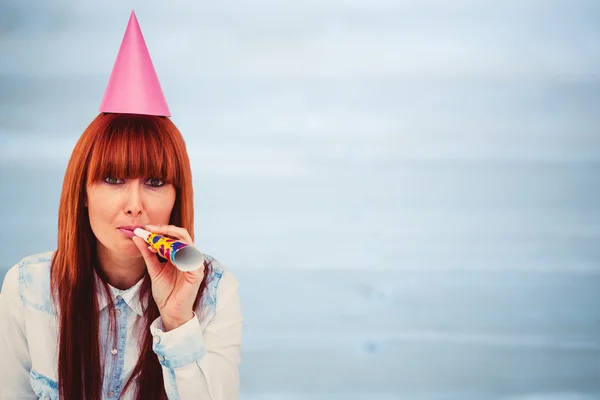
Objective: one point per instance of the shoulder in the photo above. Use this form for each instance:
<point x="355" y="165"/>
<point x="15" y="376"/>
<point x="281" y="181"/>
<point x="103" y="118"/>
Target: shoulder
<point x="221" y="284"/>
<point x="31" y="277"/>
<point x="36" y="261"/>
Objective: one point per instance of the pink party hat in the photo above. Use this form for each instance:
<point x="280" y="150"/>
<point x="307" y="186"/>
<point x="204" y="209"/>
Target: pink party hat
<point x="133" y="87"/>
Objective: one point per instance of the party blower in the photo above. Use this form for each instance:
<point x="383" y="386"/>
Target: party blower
<point x="183" y="256"/>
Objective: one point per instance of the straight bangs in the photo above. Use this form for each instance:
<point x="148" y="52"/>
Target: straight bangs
<point x="134" y="147"/>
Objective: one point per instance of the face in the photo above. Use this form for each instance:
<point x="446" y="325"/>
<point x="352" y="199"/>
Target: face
<point x="117" y="206"/>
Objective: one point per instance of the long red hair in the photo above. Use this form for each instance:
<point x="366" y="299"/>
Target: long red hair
<point x="124" y="146"/>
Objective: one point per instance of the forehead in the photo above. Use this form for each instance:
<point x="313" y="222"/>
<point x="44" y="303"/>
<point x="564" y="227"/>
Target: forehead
<point x="130" y="151"/>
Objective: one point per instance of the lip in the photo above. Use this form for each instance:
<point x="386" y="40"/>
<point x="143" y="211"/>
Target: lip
<point x="128" y="230"/>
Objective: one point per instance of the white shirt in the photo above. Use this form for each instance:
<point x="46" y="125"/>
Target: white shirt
<point x="200" y="359"/>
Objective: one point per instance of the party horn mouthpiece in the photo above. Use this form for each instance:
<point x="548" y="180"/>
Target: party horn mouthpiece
<point x="183" y="256"/>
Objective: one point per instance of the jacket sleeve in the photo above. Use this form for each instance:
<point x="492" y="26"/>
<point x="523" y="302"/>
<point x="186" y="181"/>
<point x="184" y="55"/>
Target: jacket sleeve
<point x="15" y="362"/>
<point x="201" y="364"/>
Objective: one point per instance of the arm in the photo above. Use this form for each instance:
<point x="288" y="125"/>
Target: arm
<point x="204" y="365"/>
<point x="15" y="362"/>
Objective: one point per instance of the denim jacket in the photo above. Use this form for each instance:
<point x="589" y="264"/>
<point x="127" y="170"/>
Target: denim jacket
<point x="200" y="359"/>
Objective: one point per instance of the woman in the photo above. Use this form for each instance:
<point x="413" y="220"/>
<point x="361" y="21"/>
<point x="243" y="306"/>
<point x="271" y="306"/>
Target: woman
<point x="103" y="316"/>
<point x="127" y="322"/>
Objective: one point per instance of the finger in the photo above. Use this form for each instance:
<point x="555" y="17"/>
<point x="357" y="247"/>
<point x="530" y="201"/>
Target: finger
<point x="152" y="264"/>
<point x="173" y="231"/>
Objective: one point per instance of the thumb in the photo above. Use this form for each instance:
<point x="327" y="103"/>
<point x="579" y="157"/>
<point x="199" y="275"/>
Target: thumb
<point x="152" y="264"/>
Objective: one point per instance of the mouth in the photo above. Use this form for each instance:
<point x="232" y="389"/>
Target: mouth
<point x="128" y="230"/>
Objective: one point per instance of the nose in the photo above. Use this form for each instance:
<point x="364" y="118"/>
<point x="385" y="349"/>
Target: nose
<point x="133" y="205"/>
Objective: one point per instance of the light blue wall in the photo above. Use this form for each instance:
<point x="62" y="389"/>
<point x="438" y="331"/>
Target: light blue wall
<point x="455" y="140"/>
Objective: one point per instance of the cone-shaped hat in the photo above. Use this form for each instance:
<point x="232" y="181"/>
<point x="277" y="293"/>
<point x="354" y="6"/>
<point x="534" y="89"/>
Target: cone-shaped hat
<point x="133" y="87"/>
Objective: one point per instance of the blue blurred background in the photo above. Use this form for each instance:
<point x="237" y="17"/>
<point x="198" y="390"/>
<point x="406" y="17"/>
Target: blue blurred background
<point x="408" y="191"/>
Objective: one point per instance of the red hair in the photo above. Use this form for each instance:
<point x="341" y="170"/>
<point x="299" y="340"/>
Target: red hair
<point x="124" y="146"/>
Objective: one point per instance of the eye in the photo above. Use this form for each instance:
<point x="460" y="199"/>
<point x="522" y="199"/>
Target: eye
<point x="111" y="180"/>
<point x="155" y="182"/>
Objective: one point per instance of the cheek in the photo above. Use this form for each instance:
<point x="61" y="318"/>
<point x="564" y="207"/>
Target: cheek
<point x="100" y="208"/>
<point x="95" y="213"/>
<point x="159" y="209"/>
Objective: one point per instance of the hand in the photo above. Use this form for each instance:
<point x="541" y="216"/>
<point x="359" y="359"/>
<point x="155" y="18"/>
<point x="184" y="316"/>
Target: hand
<point x="174" y="291"/>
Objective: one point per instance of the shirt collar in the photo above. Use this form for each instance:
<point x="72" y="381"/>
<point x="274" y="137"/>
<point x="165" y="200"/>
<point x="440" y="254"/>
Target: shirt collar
<point x="131" y="296"/>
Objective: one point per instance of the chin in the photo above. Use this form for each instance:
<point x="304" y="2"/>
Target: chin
<point x="130" y="249"/>
<point x="135" y="253"/>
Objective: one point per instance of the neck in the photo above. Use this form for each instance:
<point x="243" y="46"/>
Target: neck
<point x="121" y="272"/>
